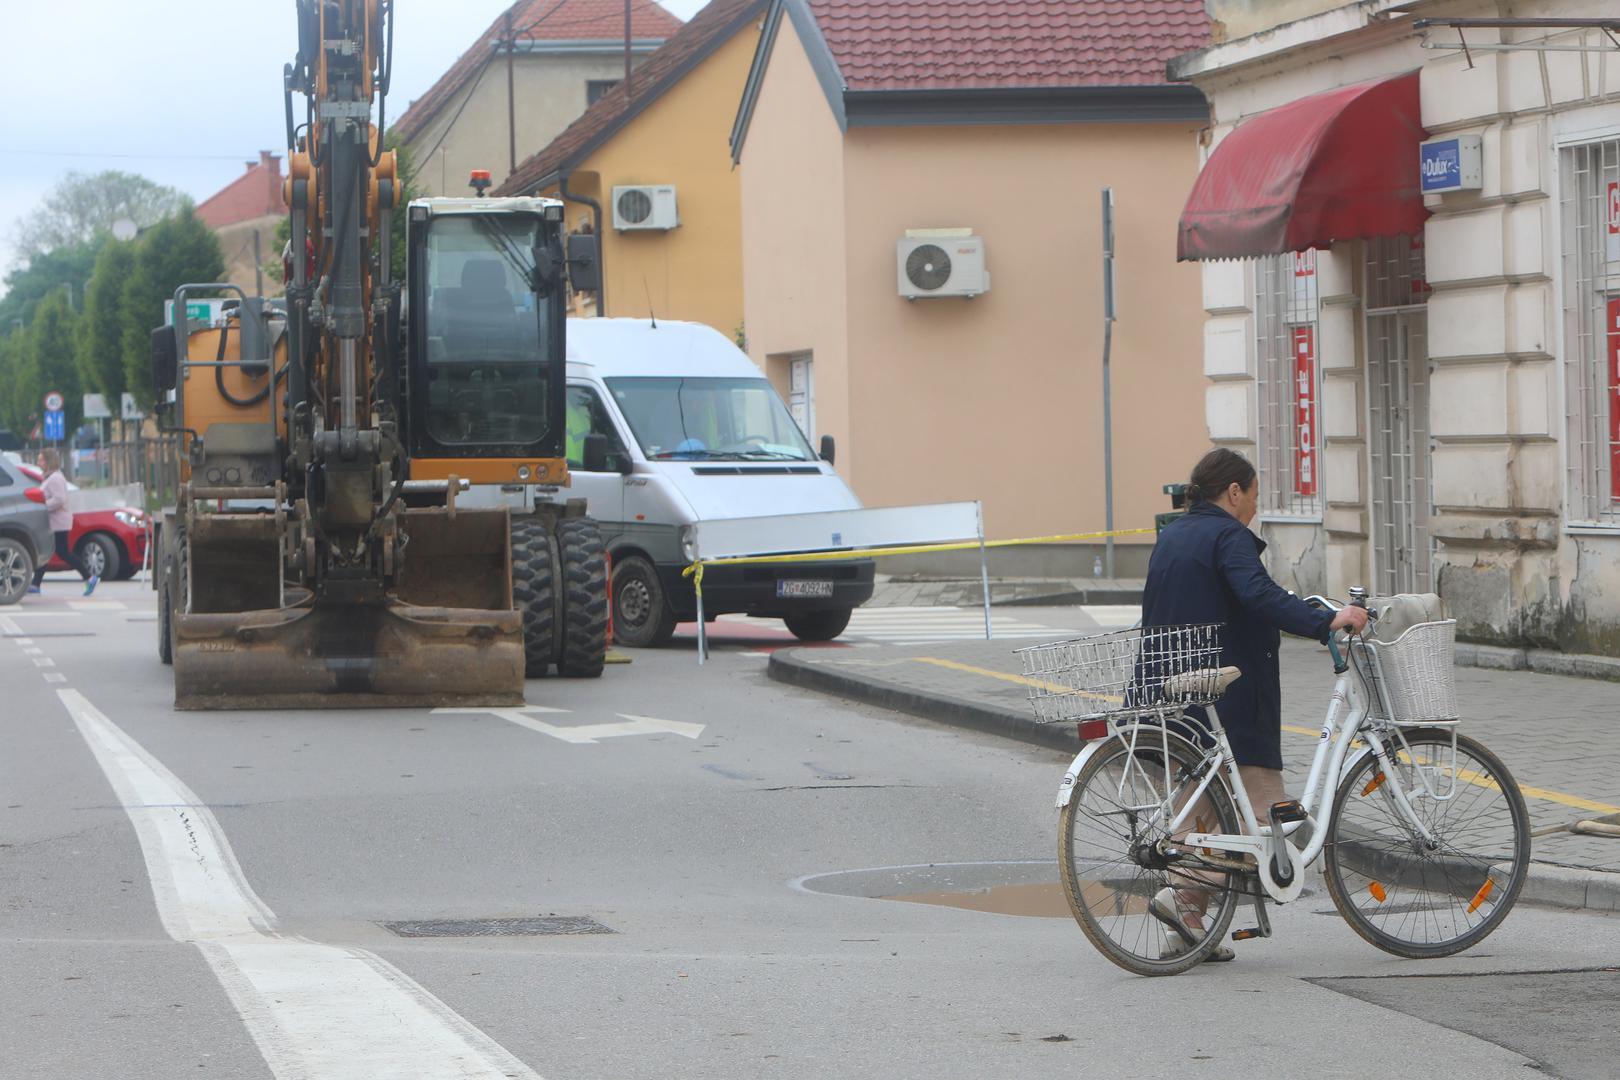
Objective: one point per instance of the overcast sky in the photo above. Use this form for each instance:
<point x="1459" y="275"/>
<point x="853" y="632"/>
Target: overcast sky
<point x="182" y="91"/>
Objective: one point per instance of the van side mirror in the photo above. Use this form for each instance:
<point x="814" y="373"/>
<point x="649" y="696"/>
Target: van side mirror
<point x="584" y="268"/>
<point x="828" y="450"/>
<point x="596" y="452"/>
<point x="165" y="361"/>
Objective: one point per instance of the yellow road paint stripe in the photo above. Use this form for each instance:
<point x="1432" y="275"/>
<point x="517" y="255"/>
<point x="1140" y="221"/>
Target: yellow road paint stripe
<point x="1544" y="794"/>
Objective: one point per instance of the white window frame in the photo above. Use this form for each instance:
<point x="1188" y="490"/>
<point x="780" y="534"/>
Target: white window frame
<point x="1582" y="354"/>
<point x="1284" y="301"/>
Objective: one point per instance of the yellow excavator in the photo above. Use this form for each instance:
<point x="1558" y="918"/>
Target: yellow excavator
<point x="316" y="555"/>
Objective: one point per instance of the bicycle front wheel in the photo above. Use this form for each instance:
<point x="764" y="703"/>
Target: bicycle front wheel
<point x="1123" y="801"/>
<point x="1425" y="897"/>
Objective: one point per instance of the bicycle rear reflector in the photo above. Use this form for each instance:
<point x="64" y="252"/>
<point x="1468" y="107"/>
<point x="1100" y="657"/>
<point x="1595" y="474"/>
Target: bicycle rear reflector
<point x="1093" y="729"/>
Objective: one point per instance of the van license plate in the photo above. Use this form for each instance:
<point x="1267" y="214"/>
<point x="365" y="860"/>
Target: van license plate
<point x="797" y="587"/>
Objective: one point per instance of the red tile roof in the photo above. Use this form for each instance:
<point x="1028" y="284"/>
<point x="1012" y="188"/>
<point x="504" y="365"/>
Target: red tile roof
<point x="710" y="28"/>
<point x="985" y="44"/>
<point x="539" y="20"/>
<point x="254" y="194"/>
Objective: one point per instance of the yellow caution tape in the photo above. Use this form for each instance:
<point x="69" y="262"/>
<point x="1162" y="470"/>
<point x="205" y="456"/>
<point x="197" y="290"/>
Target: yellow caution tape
<point x="695" y="571"/>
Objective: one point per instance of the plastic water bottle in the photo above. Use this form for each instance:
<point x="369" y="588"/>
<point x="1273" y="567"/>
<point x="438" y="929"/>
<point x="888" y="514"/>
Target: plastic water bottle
<point x="1096" y="567"/>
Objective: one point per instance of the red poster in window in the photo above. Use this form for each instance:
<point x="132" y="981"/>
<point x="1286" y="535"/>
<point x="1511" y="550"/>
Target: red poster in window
<point x="1306" y="459"/>
<point x="1614" y="397"/>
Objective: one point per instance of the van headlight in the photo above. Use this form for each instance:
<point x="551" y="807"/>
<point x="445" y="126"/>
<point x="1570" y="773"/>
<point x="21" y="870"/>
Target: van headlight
<point x="688" y="544"/>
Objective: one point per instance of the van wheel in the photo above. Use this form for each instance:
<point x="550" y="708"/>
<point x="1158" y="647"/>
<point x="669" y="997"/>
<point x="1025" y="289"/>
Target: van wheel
<point x="584" y="585"/>
<point x="16" y="570"/>
<point x="641" y="614"/>
<point x="534" y="578"/>
<point x="818" y="625"/>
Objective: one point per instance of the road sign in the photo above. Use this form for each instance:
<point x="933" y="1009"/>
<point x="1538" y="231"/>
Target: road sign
<point x="95" y="407"/>
<point x="127" y="409"/>
<point x="55" y="427"/>
<point x="54" y="401"/>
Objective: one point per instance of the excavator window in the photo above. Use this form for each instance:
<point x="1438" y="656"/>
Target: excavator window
<point x="487" y="366"/>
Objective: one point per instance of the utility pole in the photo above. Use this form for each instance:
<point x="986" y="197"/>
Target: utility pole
<point x="511" y="99"/>
<point x="258" y="266"/>
<point x="629" y="89"/>
<point x="1108" y="404"/>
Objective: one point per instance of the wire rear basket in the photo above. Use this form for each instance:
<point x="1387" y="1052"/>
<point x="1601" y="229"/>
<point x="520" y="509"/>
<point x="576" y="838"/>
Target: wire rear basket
<point x="1140" y="669"/>
<point x="1417" y="671"/>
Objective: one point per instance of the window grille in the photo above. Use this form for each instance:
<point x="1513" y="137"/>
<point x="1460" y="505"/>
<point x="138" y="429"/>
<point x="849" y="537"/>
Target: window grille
<point x="1590" y="202"/>
<point x="1399" y="474"/>
<point x="1288" y="375"/>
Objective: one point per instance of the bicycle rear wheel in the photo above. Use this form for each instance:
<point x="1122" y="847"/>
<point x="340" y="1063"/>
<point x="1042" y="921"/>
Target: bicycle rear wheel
<point x="1425" y="899"/>
<point x="1122" y="801"/>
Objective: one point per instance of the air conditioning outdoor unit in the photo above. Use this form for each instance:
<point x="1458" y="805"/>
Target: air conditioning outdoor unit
<point x="644" y="206"/>
<point x="941" y="262"/>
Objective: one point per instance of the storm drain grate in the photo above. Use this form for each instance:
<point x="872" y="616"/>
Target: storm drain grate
<point x="544" y="924"/>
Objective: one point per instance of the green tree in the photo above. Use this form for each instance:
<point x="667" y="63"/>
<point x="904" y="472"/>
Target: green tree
<point x="101" y="330"/>
<point x="176" y="250"/>
<point x="81" y="206"/>
<point x="47" y="273"/>
<point x="50" y="361"/>
<point x="14" y="410"/>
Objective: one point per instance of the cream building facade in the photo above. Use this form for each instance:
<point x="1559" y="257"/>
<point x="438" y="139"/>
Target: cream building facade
<point x="1459" y="409"/>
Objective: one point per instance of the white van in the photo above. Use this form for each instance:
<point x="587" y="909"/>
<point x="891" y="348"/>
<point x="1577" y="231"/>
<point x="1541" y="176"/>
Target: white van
<point x="695" y="432"/>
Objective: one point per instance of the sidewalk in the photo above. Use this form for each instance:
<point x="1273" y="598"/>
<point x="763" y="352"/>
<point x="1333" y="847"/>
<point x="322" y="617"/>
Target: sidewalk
<point x="1557" y="734"/>
<point x="1016" y="592"/>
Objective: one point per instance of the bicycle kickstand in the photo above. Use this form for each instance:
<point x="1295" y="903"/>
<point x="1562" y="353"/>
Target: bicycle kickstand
<point x="1262" y="926"/>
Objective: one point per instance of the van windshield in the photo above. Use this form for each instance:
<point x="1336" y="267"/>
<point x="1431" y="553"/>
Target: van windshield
<point x="692" y="419"/>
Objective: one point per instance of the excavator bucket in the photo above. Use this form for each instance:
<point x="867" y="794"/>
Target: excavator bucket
<point x="445" y="636"/>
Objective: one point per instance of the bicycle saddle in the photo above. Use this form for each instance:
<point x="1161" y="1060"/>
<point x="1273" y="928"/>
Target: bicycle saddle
<point x="1206" y="681"/>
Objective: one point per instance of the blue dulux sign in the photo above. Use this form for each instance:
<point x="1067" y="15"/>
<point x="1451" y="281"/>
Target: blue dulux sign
<point x="1450" y="164"/>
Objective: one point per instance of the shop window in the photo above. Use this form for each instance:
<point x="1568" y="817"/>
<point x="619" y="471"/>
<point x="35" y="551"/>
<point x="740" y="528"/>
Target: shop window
<point x="1590" y="201"/>
<point x="1289" y="390"/>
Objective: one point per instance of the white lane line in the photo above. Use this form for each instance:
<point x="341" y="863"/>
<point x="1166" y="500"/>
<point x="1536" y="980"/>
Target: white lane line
<point x="317" y="1012"/>
<point x="55" y="676"/>
<point x="44" y="661"/>
<point x="9" y="628"/>
<point x="35" y="651"/>
<point x="42" y="615"/>
<point x="97" y="605"/>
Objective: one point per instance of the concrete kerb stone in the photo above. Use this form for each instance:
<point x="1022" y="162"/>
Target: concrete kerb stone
<point x="1545" y="661"/>
<point x="1546" y="884"/>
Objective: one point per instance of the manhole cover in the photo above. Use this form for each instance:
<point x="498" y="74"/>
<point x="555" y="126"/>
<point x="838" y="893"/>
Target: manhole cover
<point x="544" y="924"/>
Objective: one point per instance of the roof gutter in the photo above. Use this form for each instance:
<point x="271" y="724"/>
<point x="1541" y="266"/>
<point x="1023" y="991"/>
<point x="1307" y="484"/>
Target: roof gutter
<point x="596" y="227"/>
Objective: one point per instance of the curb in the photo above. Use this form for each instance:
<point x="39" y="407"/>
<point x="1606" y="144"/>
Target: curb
<point x="1543" y="661"/>
<point x="1073" y="597"/>
<point x="1546" y="884"/>
<point x="786" y="667"/>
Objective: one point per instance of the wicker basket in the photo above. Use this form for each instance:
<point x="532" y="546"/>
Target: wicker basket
<point x="1418" y="673"/>
<point x="1135" y="670"/>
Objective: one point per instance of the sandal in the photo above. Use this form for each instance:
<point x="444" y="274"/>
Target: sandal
<point x="1166" y="907"/>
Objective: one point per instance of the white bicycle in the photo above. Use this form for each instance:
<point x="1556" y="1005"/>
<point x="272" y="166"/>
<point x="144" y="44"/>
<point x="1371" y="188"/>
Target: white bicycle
<point x="1425" y="835"/>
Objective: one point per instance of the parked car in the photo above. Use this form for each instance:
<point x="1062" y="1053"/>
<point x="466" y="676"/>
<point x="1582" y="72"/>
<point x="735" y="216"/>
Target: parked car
<point x="112" y="543"/>
<point x="25" y="533"/>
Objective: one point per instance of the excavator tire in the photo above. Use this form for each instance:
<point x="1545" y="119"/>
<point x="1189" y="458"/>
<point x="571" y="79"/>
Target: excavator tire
<point x="534" y="592"/>
<point x="170" y="600"/>
<point x="585" y="602"/>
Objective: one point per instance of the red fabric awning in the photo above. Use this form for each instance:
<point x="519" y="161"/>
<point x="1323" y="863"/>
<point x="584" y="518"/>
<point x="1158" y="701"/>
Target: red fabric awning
<point x="1332" y="166"/>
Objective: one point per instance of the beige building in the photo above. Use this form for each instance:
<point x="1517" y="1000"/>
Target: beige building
<point x="862" y="125"/>
<point x="1428" y="317"/>
<point x="525" y="79"/>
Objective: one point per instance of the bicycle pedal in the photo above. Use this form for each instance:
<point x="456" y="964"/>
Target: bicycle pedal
<point x="1287" y="811"/>
<point x="1251" y="932"/>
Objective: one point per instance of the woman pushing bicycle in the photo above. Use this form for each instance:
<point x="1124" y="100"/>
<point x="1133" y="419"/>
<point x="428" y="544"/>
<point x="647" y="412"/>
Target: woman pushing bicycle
<point x="1206" y="569"/>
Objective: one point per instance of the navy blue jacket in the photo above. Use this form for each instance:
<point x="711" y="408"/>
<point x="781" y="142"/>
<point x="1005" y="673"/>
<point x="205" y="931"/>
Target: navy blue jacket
<point x="1206" y="569"/>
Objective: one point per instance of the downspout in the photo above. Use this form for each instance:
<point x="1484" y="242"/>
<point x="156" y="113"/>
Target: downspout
<point x="596" y="226"/>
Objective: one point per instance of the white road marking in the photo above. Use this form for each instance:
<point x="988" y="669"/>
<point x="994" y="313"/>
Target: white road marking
<point x="97" y="605"/>
<point x="317" y="1012"/>
<point x="42" y="615"/>
<point x="585" y="734"/>
<point x="9" y="628"/>
<point x="34" y="652"/>
<point x="44" y="661"/>
<point x="55" y="676"/>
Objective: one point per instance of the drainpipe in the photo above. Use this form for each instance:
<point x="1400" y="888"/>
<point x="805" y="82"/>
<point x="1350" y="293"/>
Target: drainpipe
<point x="596" y="226"/>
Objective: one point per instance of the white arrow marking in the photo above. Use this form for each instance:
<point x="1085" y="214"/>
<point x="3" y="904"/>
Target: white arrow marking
<point x="582" y="734"/>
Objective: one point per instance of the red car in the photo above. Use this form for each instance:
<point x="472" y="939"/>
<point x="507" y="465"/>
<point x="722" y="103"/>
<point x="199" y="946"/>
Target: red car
<point x="112" y="543"/>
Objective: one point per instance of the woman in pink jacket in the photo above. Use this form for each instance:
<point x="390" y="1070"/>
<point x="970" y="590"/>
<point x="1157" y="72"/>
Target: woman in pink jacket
<point x="56" y="503"/>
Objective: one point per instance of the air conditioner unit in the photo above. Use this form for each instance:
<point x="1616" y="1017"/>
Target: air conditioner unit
<point x="644" y="206"/>
<point x="941" y="262"/>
